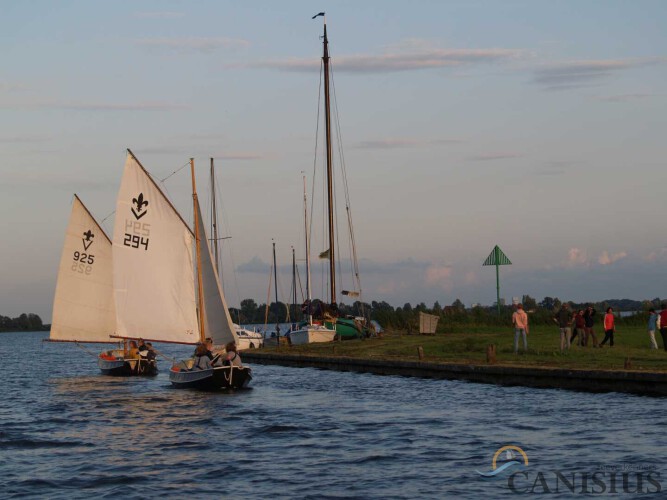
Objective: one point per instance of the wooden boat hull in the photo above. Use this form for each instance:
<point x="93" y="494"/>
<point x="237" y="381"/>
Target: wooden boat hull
<point x="127" y="368"/>
<point x="213" y="379"/>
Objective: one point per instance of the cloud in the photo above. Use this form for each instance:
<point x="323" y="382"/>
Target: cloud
<point x="101" y="106"/>
<point x="605" y="259"/>
<point x="22" y="139"/>
<point x="396" y="143"/>
<point x="656" y="255"/>
<point x="576" y="257"/>
<point x="557" y="167"/>
<point x="493" y="156"/>
<point x="254" y="265"/>
<point x="439" y="276"/>
<point x="367" y="266"/>
<point x="624" y="97"/>
<point x="159" y="15"/>
<point x="576" y="74"/>
<point x="238" y="156"/>
<point x="194" y="44"/>
<point x="411" y="56"/>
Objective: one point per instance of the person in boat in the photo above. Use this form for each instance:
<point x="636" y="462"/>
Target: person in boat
<point x="133" y="352"/>
<point x="232" y="358"/>
<point x="209" y="348"/>
<point x="202" y="361"/>
<point x="142" y="345"/>
<point x="151" y="355"/>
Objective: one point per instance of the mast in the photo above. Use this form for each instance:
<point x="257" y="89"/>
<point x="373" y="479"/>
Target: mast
<point x="327" y="119"/>
<point x="214" y="222"/>
<point x="275" y="284"/>
<point x="294" y="285"/>
<point x="200" y="286"/>
<point x="305" y="221"/>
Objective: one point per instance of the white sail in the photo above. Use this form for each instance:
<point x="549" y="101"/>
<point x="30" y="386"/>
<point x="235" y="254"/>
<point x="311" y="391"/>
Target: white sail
<point x="83" y="308"/>
<point x="217" y="322"/>
<point x="153" y="277"/>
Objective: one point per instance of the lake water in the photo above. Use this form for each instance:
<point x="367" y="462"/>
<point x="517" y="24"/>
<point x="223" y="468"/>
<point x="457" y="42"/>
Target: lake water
<point x="68" y="432"/>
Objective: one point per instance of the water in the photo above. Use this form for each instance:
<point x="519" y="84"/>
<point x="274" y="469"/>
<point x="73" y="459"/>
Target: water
<point x="67" y="432"/>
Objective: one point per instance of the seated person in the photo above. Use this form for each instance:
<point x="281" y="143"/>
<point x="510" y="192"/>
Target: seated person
<point x="209" y="347"/>
<point x="202" y="362"/>
<point x="150" y="352"/>
<point x="142" y="345"/>
<point x="133" y="353"/>
<point x="232" y="357"/>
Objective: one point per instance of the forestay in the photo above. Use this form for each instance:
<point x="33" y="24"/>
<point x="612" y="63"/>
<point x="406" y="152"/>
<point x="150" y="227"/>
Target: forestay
<point x="83" y="307"/>
<point x="153" y="277"/>
<point x="217" y="322"/>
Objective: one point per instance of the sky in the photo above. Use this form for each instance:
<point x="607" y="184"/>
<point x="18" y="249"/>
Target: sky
<point x="537" y="126"/>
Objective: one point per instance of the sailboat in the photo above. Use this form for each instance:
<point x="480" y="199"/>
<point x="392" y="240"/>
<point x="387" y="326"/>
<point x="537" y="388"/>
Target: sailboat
<point x="310" y="333"/>
<point x="83" y="305"/>
<point x="156" y="257"/>
<point x="348" y="327"/>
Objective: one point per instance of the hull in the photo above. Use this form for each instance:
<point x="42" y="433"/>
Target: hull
<point x="347" y="328"/>
<point x="127" y="368"/>
<point x="214" y="379"/>
<point x="247" y="339"/>
<point x="311" y="336"/>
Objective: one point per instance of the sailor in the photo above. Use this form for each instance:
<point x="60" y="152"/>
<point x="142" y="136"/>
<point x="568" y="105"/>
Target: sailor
<point x="233" y="358"/>
<point x="202" y="361"/>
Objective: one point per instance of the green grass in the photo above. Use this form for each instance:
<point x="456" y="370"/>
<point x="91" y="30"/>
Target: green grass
<point x="470" y="347"/>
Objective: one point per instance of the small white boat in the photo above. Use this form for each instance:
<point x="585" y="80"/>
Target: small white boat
<point x="248" y="339"/>
<point x="310" y="334"/>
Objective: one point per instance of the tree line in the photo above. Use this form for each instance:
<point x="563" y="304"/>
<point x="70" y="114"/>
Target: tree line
<point x="454" y="315"/>
<point x="24" y="322"/>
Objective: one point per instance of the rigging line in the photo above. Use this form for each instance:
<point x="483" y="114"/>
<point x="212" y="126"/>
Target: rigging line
<point x="317" y="136"/>
<point x="354" y="264"/>
<point x="173" y="360"/>
<point x="104" y="220"/>
<point x="174" y="172"/>
<point x="85" y="349"/>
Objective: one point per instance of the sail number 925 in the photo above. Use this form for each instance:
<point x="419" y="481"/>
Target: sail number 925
<point x="135" y="241"/>
<point x="83" y="263"/>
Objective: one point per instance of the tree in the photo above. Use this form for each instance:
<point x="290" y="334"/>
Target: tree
<point x="248" y="309"/>
<point x="458" y="305"/>
<point x="529" y="303"/>
<point x="437" y="308"/>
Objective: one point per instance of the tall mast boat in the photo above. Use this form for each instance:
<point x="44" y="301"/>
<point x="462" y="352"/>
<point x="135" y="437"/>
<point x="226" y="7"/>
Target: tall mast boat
<point x="345" y="327"/>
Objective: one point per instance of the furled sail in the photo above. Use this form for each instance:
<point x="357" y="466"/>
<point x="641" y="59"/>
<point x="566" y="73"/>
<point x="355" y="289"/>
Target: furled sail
<point x="217" y="322"/>
<point x="83" y="307"/>
<point x="153" y="276"/>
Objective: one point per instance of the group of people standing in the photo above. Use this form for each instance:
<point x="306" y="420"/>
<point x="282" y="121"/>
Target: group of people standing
<point x="579" y="327"/>
<point x="657" y="321"/>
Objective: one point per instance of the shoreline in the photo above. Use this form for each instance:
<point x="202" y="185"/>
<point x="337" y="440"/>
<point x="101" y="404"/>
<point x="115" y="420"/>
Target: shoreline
<point x="640" y="382"/>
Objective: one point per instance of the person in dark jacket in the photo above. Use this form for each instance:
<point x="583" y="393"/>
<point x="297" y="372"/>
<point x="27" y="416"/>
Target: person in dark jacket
<point x="563" y="319"/>
<point x="589" y="320"/>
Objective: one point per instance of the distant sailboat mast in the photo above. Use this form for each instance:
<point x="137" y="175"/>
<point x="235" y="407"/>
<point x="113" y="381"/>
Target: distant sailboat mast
<point x="327" y="119"/>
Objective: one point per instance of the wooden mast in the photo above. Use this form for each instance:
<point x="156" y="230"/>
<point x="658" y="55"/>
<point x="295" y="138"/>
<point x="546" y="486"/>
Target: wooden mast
<point x="305" y="222"/>
<point x="200" y="286"/>
<point x="327" y="119"/>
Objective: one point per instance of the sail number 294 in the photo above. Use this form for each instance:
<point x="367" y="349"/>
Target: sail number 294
<point x="137" y="234"/>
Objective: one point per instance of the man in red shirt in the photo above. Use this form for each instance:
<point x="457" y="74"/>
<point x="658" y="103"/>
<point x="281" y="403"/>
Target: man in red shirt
<point x="662" y="324"/>
<point x="520" y="321"/>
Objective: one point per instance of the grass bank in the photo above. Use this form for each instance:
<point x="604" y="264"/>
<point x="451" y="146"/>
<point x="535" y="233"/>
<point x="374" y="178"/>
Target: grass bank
<point x="470" y="346"/>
